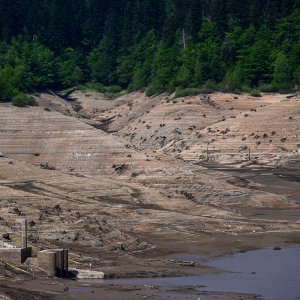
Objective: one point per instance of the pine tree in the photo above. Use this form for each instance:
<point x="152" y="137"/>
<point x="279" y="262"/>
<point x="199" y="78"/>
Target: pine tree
<point x="282" y="72"/>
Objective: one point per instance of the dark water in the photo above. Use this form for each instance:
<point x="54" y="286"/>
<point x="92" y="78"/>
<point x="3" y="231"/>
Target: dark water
<point x="274" y="275"/>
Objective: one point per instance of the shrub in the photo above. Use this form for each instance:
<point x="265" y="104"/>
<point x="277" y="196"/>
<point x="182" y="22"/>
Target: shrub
<point x="285" y="89"/>
<point x="268" y="88"/>
<point x="93" y="86"/>
<point x="187" y="92"/>
<point x="247" y="89"/>
<point x="207" y="90"/>
<point x="210" y="85"/>
<point x="115" y="95"/>
<point x="255" y="93"/>
<point x="151" y="91"/>
<point x="22" y="100"/>
<point x="113" y="89"/>
<point x="10" y="82"/>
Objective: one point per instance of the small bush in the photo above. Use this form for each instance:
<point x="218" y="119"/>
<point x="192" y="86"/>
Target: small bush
<point x="93" y="86"/>
<point x="207" y="90"/>
<point x="113" y="89"/>
<point x="151" y="91"/>
<point x="115" y="95"/>
<point x="255" y="93"/>
<point x="268" y="88"/>
<point x="210" y="85"/>
<point x="285" y="89"/>
<point x="22" y="100"/>
<point x="187" y="92"/>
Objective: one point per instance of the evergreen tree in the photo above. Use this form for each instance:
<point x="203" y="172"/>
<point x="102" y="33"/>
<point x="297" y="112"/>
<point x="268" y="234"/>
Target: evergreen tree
<point x="282" y="72"/>
<point x="54" y="43"/>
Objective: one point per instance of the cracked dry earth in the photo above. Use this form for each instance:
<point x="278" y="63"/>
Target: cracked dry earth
<point x="124" y="183"/>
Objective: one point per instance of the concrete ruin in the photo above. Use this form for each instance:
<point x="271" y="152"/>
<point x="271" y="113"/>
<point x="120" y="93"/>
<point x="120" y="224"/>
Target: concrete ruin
<point x="54" y="262"/>
<point x="15" y="256"/>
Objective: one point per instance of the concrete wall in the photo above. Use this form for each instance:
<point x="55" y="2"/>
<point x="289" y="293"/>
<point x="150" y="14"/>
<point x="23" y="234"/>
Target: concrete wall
<point x="15" y="255"/>
<point x="54" y="262"/>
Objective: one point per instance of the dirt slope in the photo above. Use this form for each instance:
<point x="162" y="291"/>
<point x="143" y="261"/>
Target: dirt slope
<point x="228" y="125"/>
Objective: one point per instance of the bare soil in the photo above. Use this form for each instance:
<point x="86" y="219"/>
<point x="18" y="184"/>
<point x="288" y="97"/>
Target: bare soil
<point x="125" y="183"/>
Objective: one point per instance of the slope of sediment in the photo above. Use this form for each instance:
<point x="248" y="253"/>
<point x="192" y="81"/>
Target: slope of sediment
<point x="222" y="126"/>
<point x="130" y="177"/>
<point x="57" y="141"/>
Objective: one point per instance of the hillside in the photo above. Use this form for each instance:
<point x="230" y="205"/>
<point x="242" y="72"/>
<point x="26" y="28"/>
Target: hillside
<point x="130" y="177"/>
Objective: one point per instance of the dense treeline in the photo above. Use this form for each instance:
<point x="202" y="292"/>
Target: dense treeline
<point x="154" y="44"/>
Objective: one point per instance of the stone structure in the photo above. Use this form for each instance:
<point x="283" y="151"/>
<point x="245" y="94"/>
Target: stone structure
<point x="54" y="262"/>
<point x="15" y="255"/>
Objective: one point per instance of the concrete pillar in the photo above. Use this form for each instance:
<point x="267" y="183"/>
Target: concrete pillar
<point x="24" y="233"/>
<point x="59" y="262"/>
<point x="54" y="262"/>
<point x="66" y="262"/>
<point x="47" y="262"/>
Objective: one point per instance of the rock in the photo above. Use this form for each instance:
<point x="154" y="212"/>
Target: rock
<point x="6" y="236"/>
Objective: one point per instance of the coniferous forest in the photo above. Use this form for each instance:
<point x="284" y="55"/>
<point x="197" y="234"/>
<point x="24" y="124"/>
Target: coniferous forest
<point x="153" y="45"/>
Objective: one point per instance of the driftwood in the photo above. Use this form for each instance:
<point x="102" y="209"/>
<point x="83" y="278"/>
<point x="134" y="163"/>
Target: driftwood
<point x="293" y="95"/>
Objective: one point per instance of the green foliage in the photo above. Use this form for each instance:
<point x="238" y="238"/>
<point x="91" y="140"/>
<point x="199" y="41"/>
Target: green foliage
<point x="256" y="62"/>
<point x="209" y="62"/>
<point x="152" y="90"/>
<point x="23" y="100"/>
<point x="35" y="60"/>
<point x="101" y="63"/>
<point x="92" y="86"/>
<point x="268" y="88"/>
<point x="114" y="89"/>
<point x="137" y="45"/>
<point x="187" y="92"/>
<point x="10" y="81"/>
<point x="39" y="64"/>
<point x="165" y="67"/>
<point x="282" y="73"/>
<point x="255" y="93"/>
<point x="232" y="81"/>
<point x="209" y="87"/>
<point x="109" y="92"/>
<point x="69" y="71"/>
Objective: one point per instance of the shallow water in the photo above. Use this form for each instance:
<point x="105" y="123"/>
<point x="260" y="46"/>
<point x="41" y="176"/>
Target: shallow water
<point x="274" y="275"/>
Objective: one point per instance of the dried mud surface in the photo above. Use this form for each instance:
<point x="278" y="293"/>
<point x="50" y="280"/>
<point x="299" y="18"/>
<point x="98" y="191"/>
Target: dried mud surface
<point x="125" y="183"/>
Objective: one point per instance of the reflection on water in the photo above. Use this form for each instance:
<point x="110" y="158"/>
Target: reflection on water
<point x="275" y="275"/>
